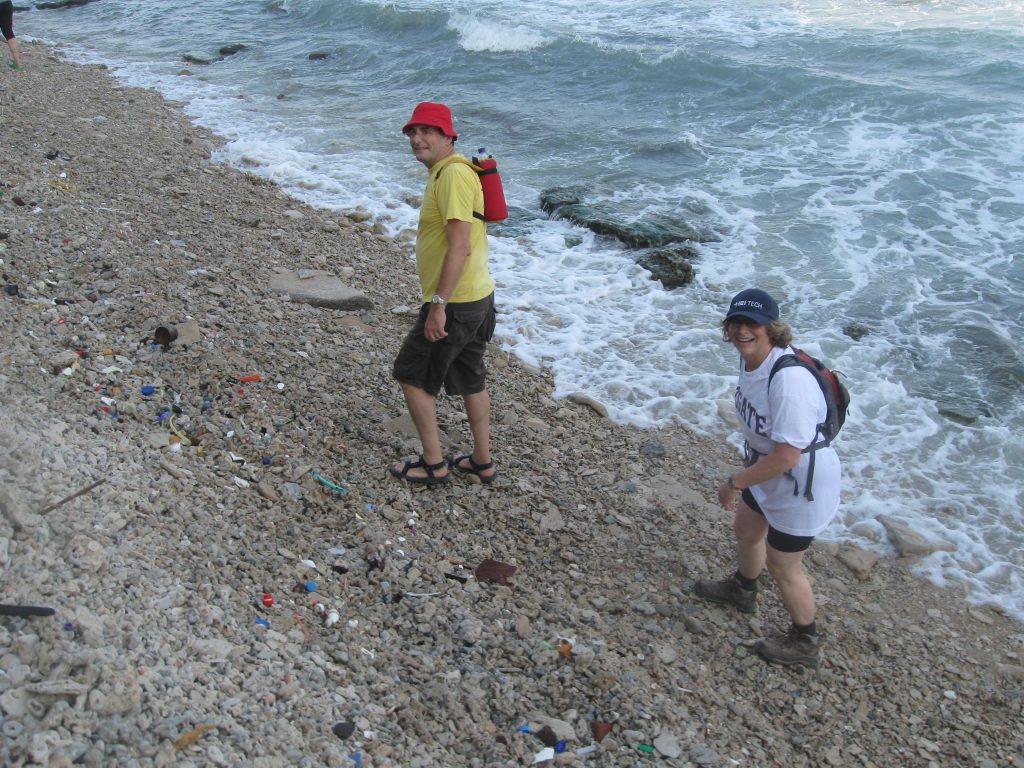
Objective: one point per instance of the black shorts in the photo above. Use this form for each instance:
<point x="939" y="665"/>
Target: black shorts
<point x="457" y="360"/>
<point x="783" y="542"/>
<point x="7" y="19"/>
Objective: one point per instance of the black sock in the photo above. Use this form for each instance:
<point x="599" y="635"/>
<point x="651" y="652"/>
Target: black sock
<point x="750" y="585"/>
<point x="807" y="629"/>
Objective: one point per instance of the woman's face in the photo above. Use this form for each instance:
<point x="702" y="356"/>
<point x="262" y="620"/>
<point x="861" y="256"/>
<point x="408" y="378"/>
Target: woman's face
<point x="750" y="339"/>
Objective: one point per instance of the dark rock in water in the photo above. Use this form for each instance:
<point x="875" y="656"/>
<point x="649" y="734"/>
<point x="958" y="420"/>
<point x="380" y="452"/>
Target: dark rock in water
<point x="959" y="418"/>
<point x="553" y="199"/>
<point x="61" y="4"/>
<point x="647" y="231"/>
<point x="856" y="331"/>
<point x="672" y="266"/>
<point x="669" y="240"/>
<point x="198" y="60"/>
<point x="319" y="56"/>
<point x="231" y="50"/>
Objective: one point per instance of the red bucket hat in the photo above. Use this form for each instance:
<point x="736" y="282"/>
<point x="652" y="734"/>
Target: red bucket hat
<point x="437" y="115"/>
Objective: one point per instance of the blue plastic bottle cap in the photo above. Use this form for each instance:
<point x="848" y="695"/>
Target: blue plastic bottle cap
<point x="148" y="390"/>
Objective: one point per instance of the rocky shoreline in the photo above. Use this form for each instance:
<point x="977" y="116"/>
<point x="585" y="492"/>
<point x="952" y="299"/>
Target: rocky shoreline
<point x="237" y="581"/>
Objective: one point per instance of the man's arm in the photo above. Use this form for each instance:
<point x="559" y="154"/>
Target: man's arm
<point x="455" y="259"/>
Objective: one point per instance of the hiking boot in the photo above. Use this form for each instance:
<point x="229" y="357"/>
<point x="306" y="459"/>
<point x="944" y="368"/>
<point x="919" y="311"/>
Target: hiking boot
<point x="790" y="648"/>
<point x="729" y="591"/>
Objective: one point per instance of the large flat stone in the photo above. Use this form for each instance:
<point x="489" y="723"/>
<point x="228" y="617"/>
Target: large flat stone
<point x="321" y="289"/>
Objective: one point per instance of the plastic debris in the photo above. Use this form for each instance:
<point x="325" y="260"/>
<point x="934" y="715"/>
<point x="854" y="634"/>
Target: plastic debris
<point x="268" y="599"/>
<point x="263" y="623"/>
<point x="332" y="618"/>
<point x="250" y="378"/>
<point x="645" y="748"/>
<point x="545" y="755"/>
<point x="325" y="482"/>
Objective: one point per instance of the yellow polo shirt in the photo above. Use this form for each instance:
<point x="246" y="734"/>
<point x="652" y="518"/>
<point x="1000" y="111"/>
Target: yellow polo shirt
<point x="453" y="192"/>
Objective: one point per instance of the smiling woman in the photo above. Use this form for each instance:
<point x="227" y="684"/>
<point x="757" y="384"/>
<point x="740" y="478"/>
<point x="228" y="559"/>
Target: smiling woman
<point x="776" y="519"/>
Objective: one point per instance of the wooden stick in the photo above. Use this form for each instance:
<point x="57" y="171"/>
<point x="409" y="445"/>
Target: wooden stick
<point x="74" y="495"/>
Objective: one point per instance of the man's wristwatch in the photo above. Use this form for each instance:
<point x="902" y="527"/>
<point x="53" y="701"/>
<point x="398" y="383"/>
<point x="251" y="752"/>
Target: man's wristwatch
<point x="435" y="299"/>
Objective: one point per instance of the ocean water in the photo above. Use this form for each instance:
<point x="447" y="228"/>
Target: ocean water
<point x="862" y="160"/>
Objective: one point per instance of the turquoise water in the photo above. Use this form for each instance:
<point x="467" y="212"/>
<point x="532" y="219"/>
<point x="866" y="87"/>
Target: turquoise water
<point x="862" y="161"/>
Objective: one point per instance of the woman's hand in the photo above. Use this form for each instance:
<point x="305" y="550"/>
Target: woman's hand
<point x="727" y="494"/>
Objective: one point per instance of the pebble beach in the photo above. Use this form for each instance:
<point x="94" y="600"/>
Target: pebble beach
<point x="197" y="422"/>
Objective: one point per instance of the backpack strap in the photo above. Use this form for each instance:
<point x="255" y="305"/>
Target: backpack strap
<point x="475" y="167"/>
<point x="786" y="361"/>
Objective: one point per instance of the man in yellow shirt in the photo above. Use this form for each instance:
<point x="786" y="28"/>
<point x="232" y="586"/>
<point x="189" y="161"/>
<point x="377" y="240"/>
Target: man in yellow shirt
<point x="448" y="341"/>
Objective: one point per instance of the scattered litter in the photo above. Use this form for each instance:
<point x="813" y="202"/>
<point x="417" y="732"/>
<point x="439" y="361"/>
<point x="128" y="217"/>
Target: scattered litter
<point x="599" y="730"/>
<point x="192" y="737"/>
<point x="343" y="729"/>
<point x="494" y="570"/>
<point x="324" y="481"/>
<point x="164" y="335"/>
<point x="545" y="755"/>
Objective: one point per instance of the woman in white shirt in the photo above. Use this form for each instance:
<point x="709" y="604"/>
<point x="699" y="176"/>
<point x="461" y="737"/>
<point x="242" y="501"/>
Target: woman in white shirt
<point x="776" y="518"/>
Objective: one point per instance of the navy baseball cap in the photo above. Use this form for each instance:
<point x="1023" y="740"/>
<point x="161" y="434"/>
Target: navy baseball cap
<point x="755" y="304"/>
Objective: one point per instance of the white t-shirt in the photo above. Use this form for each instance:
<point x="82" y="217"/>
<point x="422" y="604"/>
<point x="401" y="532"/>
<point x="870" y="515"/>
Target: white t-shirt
<point x="789" y="413"/>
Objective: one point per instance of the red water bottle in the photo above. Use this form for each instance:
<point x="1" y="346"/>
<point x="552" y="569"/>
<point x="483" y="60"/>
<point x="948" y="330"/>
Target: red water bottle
<point x="495" y="207"/>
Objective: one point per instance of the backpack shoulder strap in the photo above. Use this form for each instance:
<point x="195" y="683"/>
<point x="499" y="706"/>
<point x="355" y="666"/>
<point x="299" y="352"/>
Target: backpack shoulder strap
<point x="474" y="166"/>
<point x="788" y="360"/>
<point x="785" y="361"/>
<point x="461" y="161"/>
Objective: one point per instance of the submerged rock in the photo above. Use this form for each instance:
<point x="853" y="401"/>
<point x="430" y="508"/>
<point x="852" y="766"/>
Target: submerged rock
<point x="669" y="238"/>
<point x="673" y="266"/>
